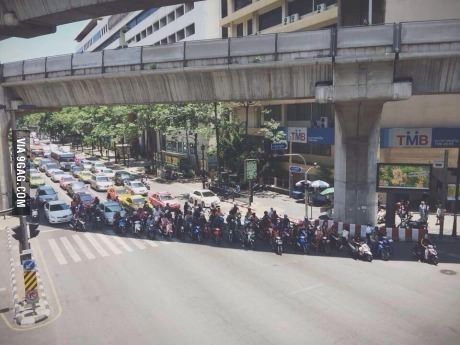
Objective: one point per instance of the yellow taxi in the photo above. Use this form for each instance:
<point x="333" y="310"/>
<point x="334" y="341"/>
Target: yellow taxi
<point x="36" y="161"/>
<point x="84" y="176"/>
<point x="132" y="202"/>
<point x="36" y="179"/>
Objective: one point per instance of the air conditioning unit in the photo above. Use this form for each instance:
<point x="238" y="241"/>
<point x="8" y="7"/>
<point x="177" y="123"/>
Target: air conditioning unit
<point x="293" y="17"/>
<point x="322" y="122"/>
<point x="320" y="7"/>
<point x="286" y="20"/>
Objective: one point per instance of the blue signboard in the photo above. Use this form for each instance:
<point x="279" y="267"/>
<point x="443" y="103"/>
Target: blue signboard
<point x="446" y="137"/>
<point x="28" y="265"/>
<point x="295" y="169"/>
<point x="279" y="146"/>
<point x="320" y="136"/>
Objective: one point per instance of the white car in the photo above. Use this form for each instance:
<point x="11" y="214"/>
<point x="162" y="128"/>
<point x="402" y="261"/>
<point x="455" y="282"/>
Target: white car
<point x="57" y="212"/>
<point x="85" y="164"/>
<point x="56" y="174"/>
<point x="96" y="167"/>
<point x="100" y="182"/>
<point x="108" y="172"/>
<point x="136" y="187"/>
<point x="204" y="195"/>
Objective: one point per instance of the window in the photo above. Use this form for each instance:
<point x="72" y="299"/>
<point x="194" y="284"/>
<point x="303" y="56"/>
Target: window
<point x="312" y="112"/>
<point x="190" y="30"/>
<point x="138" y="37"/>
<point x="149" y="30"/>
<point x="270" y="18"/>
<point x="300" y="6"/>
<point x="180" y="35"/>
<point x="157" y="43"/>
<point x="172" y="38"/>
<point x="180" y="11"/>
<point x="241" y="3"/>
<point x="171" y="146"/>
<point x="189" y="6"/>
<point x="224" y="8"/>
<point x="143" y="34"/>
<point x="249" y="27"/>
<point x="272" y="112"/>
<point x="156" y="26"/>
<point x="225" y="32"/>
<point x="164" y="41"/>
<point x="162" y="22"/>
<point x="299" y="112"/>
<point x="171" y="17"/>
<point x="239" y="30"/>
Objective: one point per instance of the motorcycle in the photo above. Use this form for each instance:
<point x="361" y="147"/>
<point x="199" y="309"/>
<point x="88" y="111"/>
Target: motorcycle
<point x="335" y="242"/>
<point x="383" y="249"/>
<point x="78" y="224"/>
<point x="196" y="233"/>
<point x="250" y="240"/>
<point x="407" y="222"/>
<point x="419" y="253"/>
<point x="302" y="243"/>
<point x="167" y="228"/>
<point x="278" y="245"/>
<point x="136" y="227"/>
<point x="151" y="227"/>
<point x="121" y="226"/>
<point x="360" y="250"/>
<point x="179" y="227"/>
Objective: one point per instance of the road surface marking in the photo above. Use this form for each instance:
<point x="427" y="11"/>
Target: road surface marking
<point x="151" y="243"/>
<point x="70" y="249"/>
<point x="83" y="247"/>
<point x="137" y="243"/>
<point x="2" y="289"/>
<point x="122" y="243"/>
<point x="109" y="243"/>
<point x="306" y="289"/>
<point x="96" y="245"/>
<point x="57" y="252"/>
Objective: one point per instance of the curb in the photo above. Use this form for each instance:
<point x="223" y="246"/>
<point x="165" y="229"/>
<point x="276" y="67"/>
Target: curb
<point x="23" y="313"/>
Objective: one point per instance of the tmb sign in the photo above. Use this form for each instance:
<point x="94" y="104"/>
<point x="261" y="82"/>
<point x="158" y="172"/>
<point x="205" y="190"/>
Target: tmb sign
<point x="406" y="137"/>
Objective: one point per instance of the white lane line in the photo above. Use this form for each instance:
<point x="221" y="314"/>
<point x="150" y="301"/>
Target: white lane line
<point x="70" y="249"/>
<point x="2" y="289"/>
<point x="108" y="243"/>
<point x="122" y="243"/>
<point x="137" y="243"/>
<point x="57" y="252"/>
<point x="306" y="289"/>
<point x="96" y="245"/>
<point x="151" y="243"/>
<point x="83" y="247"/>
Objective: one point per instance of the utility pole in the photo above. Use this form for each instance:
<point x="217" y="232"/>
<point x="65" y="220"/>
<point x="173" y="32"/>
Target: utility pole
<point x="217" y="138"/>
<point x="444" y="191"/>
<point x="457" y="182"/>
<point x="290" y="174"/>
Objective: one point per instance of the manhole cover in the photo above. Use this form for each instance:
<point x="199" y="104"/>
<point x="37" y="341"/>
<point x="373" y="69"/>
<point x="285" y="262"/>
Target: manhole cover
<point x="448" y="272"/>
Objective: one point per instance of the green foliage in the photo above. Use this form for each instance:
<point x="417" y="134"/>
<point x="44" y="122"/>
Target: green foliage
<point x="271" y="131"/>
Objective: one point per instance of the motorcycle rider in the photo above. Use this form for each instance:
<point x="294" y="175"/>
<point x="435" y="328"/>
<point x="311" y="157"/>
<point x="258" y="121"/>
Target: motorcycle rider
<point x="381" y="214"/>
<point x="423" y="247"/>
<point x="274" y="217"/>
<point x="234" y="210"/>
<point x="186" y="207"/>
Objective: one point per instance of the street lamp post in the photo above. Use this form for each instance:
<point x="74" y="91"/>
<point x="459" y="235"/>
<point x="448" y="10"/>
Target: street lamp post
<point x="315" y="165"/>
<point x="202" y="166"/>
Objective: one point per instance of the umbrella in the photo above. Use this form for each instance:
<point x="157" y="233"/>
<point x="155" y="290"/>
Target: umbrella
<point x="328" y="191"/>
<point x="319" y="184"/>
<point x="301" y="183"/>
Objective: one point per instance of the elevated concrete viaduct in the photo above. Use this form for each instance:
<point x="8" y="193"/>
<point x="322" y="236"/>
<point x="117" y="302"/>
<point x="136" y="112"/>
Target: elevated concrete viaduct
<point x="38" y="17"/>
<point x="357" y="68"/>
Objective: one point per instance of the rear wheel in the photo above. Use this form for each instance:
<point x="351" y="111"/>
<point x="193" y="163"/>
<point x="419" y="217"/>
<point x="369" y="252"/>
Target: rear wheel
<point x="385" y="255"/>
<point x="435" y="261"/>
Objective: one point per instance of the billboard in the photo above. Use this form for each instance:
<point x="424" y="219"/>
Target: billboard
<point x="405" y="137"/>
<point x="403" y="176"/>
<point x="297" y="134"/>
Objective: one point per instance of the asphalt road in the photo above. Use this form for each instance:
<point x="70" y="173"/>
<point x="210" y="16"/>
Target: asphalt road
<point x="104" y="289"/>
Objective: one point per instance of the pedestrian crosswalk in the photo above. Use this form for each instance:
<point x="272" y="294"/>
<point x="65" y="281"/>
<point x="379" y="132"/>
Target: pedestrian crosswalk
<point x="90" y="246"/>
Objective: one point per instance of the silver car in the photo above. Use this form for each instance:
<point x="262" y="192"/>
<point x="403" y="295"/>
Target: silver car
<point x="108" y="209"/>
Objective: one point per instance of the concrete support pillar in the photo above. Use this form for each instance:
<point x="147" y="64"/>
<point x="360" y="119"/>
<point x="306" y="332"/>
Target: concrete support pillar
<point x="5" y="163"/>
<point x="357" y="127"/>
<point x="284" y="8"/>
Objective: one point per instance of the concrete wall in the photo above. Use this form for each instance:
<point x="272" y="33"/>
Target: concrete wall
<point x="411" y="10"/>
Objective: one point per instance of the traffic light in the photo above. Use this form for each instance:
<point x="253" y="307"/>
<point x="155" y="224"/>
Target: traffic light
<point x="17" y="233"/>
<point x="33" y="230"/>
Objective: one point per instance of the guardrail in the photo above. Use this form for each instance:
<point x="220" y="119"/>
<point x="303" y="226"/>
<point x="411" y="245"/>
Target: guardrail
<point x="348" y="41"/>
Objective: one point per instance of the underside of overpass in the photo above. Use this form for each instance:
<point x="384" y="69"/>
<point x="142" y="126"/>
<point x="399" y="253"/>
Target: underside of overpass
<point x="33" y="18"/>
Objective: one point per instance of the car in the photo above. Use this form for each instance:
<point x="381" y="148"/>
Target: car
<point x="85" y="164"/>
<point x="132" y="202"/>
<point x="136" y="187"/>
<point x="33" y="170"/>
<point x="50" y="166"/>
<point x="66" y="180"/>
<point x="316" y="199"/>
<point x="121" y="176"/>
<point x="96" y="167"/>
<point x="100" y="182"/>
<point x="74" y="187"/>
<point x="36" y="179"/>
<point x="74" y="170"/>
<point x="86" y="198"/>
<point x="57" y="212"/>
<point x="115" y="191"/>
<point x="204" y="195"/>
<point x="108" y="209"/>
<point x="163" y="198"/>
<point x="56" y="175"/>
<point x="46" y="193"/>
<point x="43" y="162"/>
<point x="108" y="172"/>
<point x="84" y="176"/>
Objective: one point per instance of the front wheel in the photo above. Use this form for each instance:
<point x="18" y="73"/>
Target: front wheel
<point x="435" y="261"/>
<point x="369" y="258"/>
<point x="385" y="254"/>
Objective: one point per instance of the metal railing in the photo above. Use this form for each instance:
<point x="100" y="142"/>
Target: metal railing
<point x="295" y="46"/>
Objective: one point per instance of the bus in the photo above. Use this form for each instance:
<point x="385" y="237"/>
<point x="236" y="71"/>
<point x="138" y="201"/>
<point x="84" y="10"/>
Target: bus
<point x="36" y="151"/>
<point x="65" y="159"/>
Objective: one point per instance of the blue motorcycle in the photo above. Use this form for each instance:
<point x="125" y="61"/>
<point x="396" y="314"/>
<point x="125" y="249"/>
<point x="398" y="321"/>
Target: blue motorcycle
<point x="196" y="233"/>
<point x="302" y="243"/>
<point x="383" y="248"/>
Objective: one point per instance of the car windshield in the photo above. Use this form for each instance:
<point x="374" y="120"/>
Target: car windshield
<point x="58" y="172"/>
<point x="75" y="168"/>
<point x="137" y="185"/>
<point x="107" y="171"/>
<point x="67" y="160"/>
<point x="67" y="178"/>
<point x="35" y="175"/>
<point x="86" y="197"/>
<point x="166" y="197"/>
<point x="102" y="179"/>
<point x="123" y="176"/>
<point x="138" y="201"/>
<point x="78" y="185"/>
<point x="52" y="166"/>
<point x="59" y="207"/>
<point x="46" y="192"/>
<point x="99" y="165"/>
<point x="208" y="194"/>
<point x="113" y="208"/>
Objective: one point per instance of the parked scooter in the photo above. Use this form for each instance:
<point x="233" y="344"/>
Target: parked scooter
<point x="360" y="250"/>
<point x="382" y="248"/>
<point x="428" y="254"/>
<point x="302" y="242"/>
